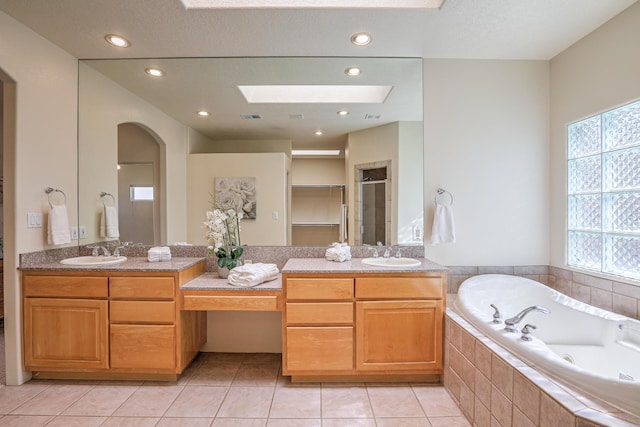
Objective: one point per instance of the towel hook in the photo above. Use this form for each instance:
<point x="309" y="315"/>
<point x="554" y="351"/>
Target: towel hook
<point x="440" y="192"/>
<point x="104" y="194"/>
<point x="49" y="192"/>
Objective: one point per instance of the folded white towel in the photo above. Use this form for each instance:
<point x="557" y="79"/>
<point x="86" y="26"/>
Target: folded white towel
<point x="444" y="229"/>
<point x="338" y="252"/>
<point x="58" y="229"/>
<point x="159" y="253"/>
<point x="109" y="222"/>
<point x="250" y="275"/>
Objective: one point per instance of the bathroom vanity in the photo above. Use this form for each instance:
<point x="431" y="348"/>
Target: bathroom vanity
<point x="123" y="321"/>
<point x="348" y="321"/>
<point x="141" y="320"/>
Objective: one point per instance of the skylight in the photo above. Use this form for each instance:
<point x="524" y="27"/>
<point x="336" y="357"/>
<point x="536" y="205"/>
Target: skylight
<point x="261" y="4"/>
<point x="300" y="94"/>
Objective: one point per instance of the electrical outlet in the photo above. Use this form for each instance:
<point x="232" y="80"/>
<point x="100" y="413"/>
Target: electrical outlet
<point x="83" y="232"/>
<point x="74" y="233"/>
<point x="417" y="233"/>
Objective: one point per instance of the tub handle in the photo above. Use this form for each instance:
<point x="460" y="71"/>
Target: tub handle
<point x="497" y="318"/>
<point x="527" y="332"/>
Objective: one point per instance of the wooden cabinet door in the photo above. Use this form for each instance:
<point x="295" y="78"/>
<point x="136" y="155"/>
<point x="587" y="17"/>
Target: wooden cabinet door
<point x="399" y="335"/>
<point x="144" y="347"/>
<point x="65" y="333"/>
<point x="319" y="349"/>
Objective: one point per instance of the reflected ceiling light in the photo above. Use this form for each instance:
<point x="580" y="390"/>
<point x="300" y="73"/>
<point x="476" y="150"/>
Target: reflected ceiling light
<point x="305" y="94"/>
<point x="315" y="152"/>
<point x="353" y="71"/>
<point x="155" y="72"/>
<point x="266" y="4"/>
<point x="361" y="39"/>
<point x="117" y="40"/>
<point x="318" y="133"/>
<point x="203" y="113"/>
<point x="343" y="113"/>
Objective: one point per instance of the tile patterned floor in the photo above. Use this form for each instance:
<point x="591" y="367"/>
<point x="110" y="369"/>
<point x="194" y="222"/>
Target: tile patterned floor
<point x="226" y="390"/>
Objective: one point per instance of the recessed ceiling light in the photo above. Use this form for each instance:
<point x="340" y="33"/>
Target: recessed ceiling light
<point x="343" y="113"/>
<point x="315" y="152"/>
<point x="117" y="40"/>
<point x="155" y="72"/>
<point x="318" y="133"/>
<point x="353" y="71"/>
<point x="203" y="113"/>
<point x="361" y="39"/>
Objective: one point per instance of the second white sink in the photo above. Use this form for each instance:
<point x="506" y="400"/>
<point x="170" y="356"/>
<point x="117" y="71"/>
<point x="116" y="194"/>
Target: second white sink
<point x="392" y="262"/>
<point x="93" y="260"/>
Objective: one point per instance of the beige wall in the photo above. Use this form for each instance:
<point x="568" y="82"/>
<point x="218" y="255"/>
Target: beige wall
<point x="598" y="73"/>
<point x="486" y="142"/>
<point x="103" y="105"/>
<point x="270" y="171"/>
<point x="317" y="171"/>
<point x="42" y="154"/>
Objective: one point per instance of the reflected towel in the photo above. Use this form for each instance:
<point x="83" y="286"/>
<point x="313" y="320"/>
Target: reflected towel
<point x="159" y="253"/>
<point x="250" y="275"/>
<point x="109" y="222"/>
<point x="58" y="227"/>
<point x="339" y="252"/>
<point x="444" y="229"/>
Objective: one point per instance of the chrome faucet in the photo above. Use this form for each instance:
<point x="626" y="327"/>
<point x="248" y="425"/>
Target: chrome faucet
<point x="105" y="250"/>
<point x="387" y="252"/>
<point x="510" y="323"/>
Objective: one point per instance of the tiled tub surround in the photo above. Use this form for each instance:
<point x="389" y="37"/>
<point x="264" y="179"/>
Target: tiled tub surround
<point x="494" y="388"/>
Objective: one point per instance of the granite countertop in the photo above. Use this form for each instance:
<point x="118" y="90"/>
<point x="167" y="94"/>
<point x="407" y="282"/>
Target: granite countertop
<point x="355" y="265"/>
<point x="211" y="281"/>
<point x="131" y="264"/>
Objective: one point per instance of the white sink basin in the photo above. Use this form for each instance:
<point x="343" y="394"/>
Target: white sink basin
<point x="392" y="262"/>
<point x="93" y="260"/>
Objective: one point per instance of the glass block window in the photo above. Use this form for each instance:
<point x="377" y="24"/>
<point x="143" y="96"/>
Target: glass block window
<point x="603" y="200"/>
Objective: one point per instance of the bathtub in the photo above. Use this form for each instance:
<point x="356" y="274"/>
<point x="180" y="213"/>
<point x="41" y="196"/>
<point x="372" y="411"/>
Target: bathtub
<point x="586" y="347"/>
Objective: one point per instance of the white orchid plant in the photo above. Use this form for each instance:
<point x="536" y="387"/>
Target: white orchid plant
<point x="223" y="234"/>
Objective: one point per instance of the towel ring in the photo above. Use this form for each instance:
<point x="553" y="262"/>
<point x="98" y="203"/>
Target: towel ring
<point x="440" y="192"/>
<point x="103" y="195"/>
<point x="49" y="192"/>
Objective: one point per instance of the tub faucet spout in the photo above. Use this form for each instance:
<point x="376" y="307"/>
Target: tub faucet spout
<point x="510" y="324"/>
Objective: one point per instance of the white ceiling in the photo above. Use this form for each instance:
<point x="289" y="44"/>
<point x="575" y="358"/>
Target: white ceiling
<point x="490" y="29"/>
<point x="474" y="29"/>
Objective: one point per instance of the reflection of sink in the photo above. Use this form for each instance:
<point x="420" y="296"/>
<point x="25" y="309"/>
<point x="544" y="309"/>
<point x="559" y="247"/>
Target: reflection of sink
<point x="392" y="262"/>
<point x="93" y="260"/>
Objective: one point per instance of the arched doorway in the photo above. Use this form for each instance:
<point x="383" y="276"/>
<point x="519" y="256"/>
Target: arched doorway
<point x="139" y="185"/>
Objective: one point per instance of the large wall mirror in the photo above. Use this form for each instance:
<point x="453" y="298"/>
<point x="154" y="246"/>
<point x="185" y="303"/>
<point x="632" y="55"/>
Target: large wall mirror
<point x="155" y="149"/>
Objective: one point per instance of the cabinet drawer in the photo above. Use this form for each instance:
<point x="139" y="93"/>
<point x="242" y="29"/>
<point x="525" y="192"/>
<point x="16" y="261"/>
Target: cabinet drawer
<point x="399" y="288"/>
<point x="143" y="346"/>
<point x="65" y="286"/>
<point x="143" y="311"/>
<point x="319" y="289"/>
<point x="319" y="348"/>
<point x="328" y="313"/>
<point x="141" y="287"/>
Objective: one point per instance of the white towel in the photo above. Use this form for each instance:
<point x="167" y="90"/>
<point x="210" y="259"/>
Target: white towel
<point x="59" y="232"/>
<point x="109" y="222"/>
<point x="339" y="252"/>
<point x="444" y="229"/>
<point x="159" y="253"/>
<point x="250" y="275"/>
